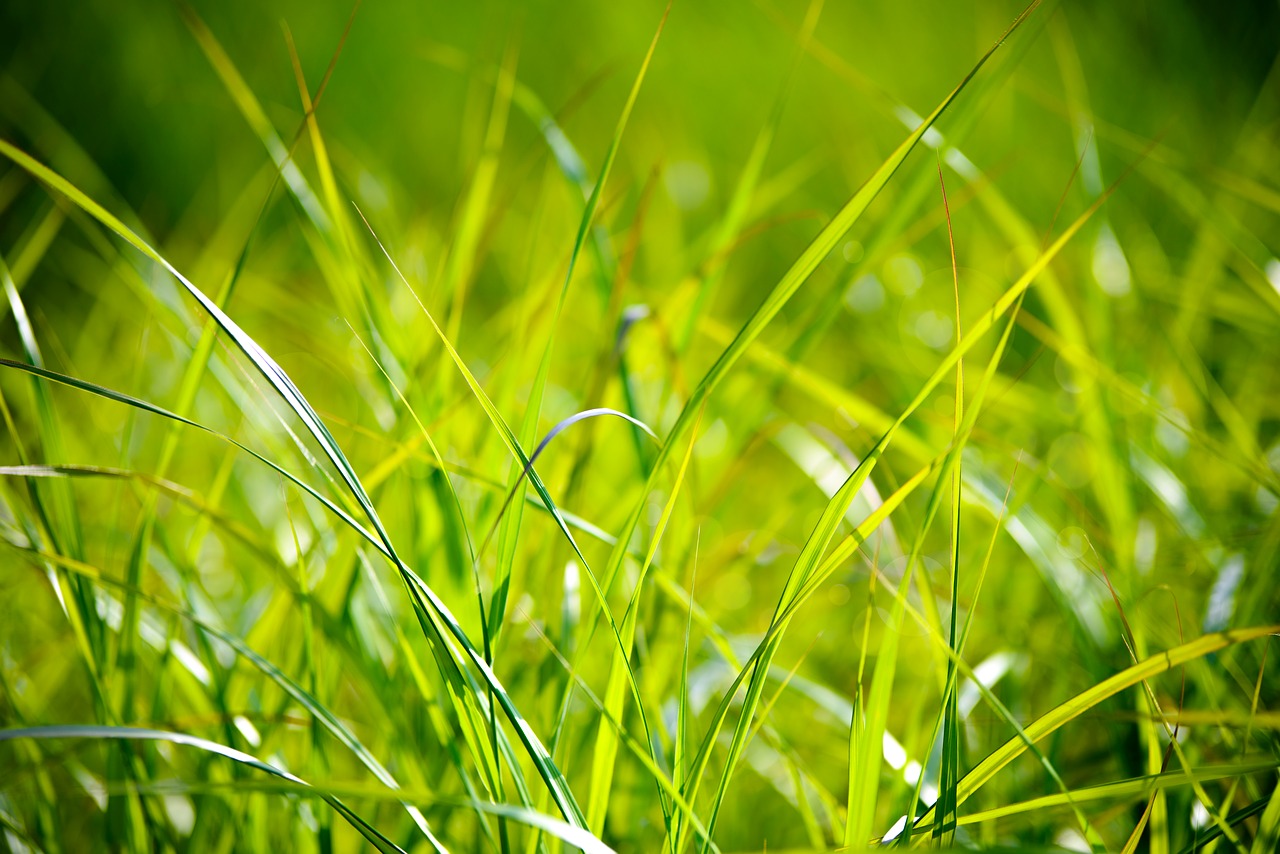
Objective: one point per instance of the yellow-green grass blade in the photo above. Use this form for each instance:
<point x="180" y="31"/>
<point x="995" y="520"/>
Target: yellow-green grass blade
<point x="951" y="732"/>
<point x="139" y="553"/>
<point x="256" y="117"/>
<point x="324" y="166"/>
<point x="560" y="427"/>
<point x="791" y="281"/>
<point x="606" y="745"/>
<point x="470" y="718"/>
<point x="459" y="268"/>
<point x="863" y="796"/>
<point x="1071" y="709"/>
<point x="1007" y="716"/>
<point x="505" y="433"/>
<point x="798" y="273"/>
<point x="593" y="201"/>
<point x="513" y="445"/>
<point x="291" y="688"/>
<point x="517" y="488"/>
<point x="303" y="696"/>
<point x="681" y="747"/>
<point x="33" y="245"/>
<point x="865" y="752"/>
<point x="682" y="806"/>
<point x="65" y="521"/>
<point x="510" y="525"/>
<point x="265" y="364"/>
<point x="459" y="265"/>
<point x="38" y="532"/>
<point x="860" y="534"/>
<point x="584" y="228"/>
<point x="101" y="733"/>
<point x="347" y="271"/>
<point x="1123" y="790"/>
<point x="462" y="691"/>
<point x="805" y="566"/>
<point x="886" y="662"/>
<point x="57" y="515"/>
<point x="552" y="827"/>
<point x="127" y="822"/>
<point x="1023" y="738"/>
<point x="329" y="239"/>
<point x="570" y="165"/>
<point x="284" y="386"/>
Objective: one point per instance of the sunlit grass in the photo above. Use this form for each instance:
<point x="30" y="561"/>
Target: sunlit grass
<point x="777" y="441"/>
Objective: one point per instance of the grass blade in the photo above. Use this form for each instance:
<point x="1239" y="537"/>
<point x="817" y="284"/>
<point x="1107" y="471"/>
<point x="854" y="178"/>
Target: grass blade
<point x="280" y="381"/>
<point x="376" y="839"/>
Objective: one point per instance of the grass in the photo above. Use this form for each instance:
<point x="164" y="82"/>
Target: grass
<point x="645" y="429"/>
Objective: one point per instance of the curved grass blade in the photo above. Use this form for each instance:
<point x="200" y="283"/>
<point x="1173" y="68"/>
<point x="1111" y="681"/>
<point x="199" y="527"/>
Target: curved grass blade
<point x="127" y="400"/>
<point x="558" y="829"/>
<point x="305" y="698"/>
<point x="606" y="745"/>
<point x="1082" y="702"/>
<point x="473" y="719"/>
<point x="951" y="732"/>
<point x="791" y="281"/>
<point x="434" y="610"/>
<point x="1210" y="836"/>
<point x="538" y="389"/>
<point x="863" y="793"/>
<point x="560" y="427"/>
<point x="376" y="839"/>
<point x="749" y="666"/>
<point x="513" y="446"/>
<point x="1125" y="790"/>
<point x="67" y="527"/>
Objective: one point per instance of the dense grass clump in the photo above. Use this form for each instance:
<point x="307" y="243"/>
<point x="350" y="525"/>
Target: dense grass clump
<point x="776" y="427"/>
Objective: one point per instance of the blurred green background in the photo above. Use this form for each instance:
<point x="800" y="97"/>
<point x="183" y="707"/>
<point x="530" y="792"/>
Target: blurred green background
<point x="1134" y="417"/>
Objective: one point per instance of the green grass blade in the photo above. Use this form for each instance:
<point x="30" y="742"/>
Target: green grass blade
<point x="1122" y="790"/>
<point x="305" y="698"/>
<point x="791" y="281"/>
<point x="67" y="523"/>
<point x="606" y="745"/>
<point x="584" y="229"/>
<point x="1081" y="703"/>
<point x="1268" y="836"/>
<point x="283" y="385"/>
<point x="376" y="839"/>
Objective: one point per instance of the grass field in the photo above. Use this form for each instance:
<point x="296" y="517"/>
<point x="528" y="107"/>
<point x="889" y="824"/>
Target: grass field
<point x="781" y="426"/>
